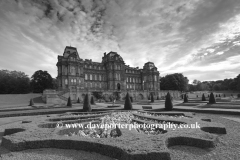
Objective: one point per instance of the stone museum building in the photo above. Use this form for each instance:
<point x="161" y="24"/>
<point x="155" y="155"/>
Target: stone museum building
<point x="112" y="76"/>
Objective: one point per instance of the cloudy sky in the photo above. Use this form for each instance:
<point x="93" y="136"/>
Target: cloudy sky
<point x="199" y="38"/>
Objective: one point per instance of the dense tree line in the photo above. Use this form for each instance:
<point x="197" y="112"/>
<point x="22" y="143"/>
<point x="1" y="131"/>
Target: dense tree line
<point x="174" y="81"/>
<point x="17" y="82"/>
<point x="232" y="84"/>
<point x="14" y="82"/>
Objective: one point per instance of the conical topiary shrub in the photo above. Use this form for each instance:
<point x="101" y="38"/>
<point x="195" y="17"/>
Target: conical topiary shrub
<point x="152" y="98"/>
<point x="203" y="97"/>
<point x="92" y="100"/>
<point x="31" y="103"/>
<point x="78" y="101"/>
<point x="208" y="95"/>
<point x="86" y="104"/>
<point x="224" y="95"/>
<point x="128" y="104"/>
<point x="185" y="98"/>
<point x="168" y="103"/>
<point x="69" y="102"/>
<point x="149" y="97"/>
<point x="197" y="96"/>
<point x="212" y="99"/>
<point x="216" y="95"/>
<point x="158" y="97"/>
<point x="219" y="95"/>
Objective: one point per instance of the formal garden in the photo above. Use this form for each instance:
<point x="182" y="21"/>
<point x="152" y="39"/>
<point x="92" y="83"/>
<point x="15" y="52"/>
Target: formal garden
<point x="124" y="132"/>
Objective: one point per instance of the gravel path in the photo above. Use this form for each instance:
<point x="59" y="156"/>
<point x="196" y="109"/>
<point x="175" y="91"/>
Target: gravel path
<point x="53" y="154"/>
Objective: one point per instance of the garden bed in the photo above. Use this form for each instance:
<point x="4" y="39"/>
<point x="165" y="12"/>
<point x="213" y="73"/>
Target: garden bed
<point x="132" y="144"/>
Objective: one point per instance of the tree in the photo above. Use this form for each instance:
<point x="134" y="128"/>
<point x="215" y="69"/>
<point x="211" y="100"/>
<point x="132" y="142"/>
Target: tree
<point x="14" y="82"/>
<point x="212" y="99"/>
<point x="86" y="104"/>
<point x="203" y="97"/>
<point x="40" y="81"/>
<point x="196" y="82"/>
<point x="168" y="102"/>
<point x="128" y="104"/>
<point x="69" y="102"/>
<point x="174" y="81"/>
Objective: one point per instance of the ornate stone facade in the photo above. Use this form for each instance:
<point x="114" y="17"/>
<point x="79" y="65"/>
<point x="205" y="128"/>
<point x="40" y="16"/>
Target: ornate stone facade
<point x="111" y="76"/>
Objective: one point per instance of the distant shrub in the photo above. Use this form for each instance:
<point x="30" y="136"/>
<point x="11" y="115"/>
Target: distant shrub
<point x="86" y="104"/>
<point x="168" y="102"/>
<point x="131" y="98"/>
<point x="31" y="103"/>
<point x="152" y="98"/>
<point x="69" y="103"/>
<point x="128" y="104"/>
<point x="78" y="101"/>
<point x="203" y="97"/>
<point x="212" y="99"/>
<point x="92" y="100"/>
<point x="224" y="95"/>
<point x="185" y="98"/>
<point x="238" y="95"/>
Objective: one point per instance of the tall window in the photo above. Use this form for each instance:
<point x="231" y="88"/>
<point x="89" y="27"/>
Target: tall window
<point x="86" y="77"/>
<point x="90" y="77"/>
<point x="75" y="81"/>
<point x="96" y="77"/>
<point x="100" y="77"/>
<point x="66" y="81"/>
<point x="73" y="70"/>
<point x="100" y="85"/>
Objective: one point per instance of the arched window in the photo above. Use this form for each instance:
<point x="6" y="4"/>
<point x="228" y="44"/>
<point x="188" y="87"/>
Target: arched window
<point x="127" y="86"/>
<point x="71" y="81"/>
<point x="86" y="77"/>
<point x="66" y="81"/>
<point x="90" y="66"/>
<point x="100" y="77"/>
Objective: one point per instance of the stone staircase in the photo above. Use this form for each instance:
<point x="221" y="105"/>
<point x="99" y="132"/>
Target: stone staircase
<point x="62" y="93"/>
